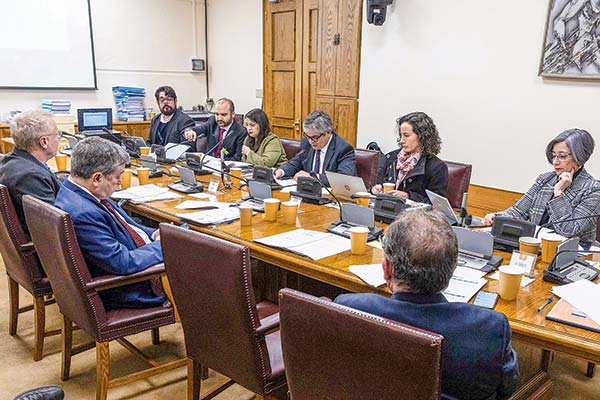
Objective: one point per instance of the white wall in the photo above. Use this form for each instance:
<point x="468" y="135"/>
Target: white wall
<point x="146" y="43"/>
<point x="235" y="51"/>
<point x="472" y="66"/>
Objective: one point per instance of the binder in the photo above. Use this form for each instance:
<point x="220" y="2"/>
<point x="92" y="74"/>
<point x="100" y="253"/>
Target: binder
<point x="563" y="312"/>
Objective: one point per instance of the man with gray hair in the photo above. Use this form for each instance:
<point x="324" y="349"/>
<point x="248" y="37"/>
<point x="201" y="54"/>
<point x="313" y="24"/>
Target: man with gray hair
<point x="111" y="242"/>
<point x="420" y="255"/>
<point x="24" y="170"/>
<point x="321" y="150"/>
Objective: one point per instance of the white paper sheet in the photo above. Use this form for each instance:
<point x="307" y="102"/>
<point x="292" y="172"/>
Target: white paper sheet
<point x="461" y="290"/>
<point x="313" y="244"/>
<point x="370" y="273"/>
<point x="212" y="217"/>
<point x="208" y="196"/>
<point x="197" y="204"/>
<point x="583" y="295"/>
<point x="145" y="194"/>
<point x="174" y="150"/>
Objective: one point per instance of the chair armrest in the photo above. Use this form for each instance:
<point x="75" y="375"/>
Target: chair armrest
<point x="268" y="324"/>
<point x="105" y="282"/>
<point x="27" y="248"/>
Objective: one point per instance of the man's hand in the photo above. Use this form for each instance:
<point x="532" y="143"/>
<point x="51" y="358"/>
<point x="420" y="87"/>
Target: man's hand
<point x="156" y="235"/>
<point x="301" y="173"/>
<point x="278" y="173"/>
<point x="189" y="135"/>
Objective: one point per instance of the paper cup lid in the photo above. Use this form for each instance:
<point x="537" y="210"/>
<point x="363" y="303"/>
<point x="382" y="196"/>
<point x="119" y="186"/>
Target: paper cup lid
<point x="271" y="200"/>
<point x="553" y="237"/>
<point x="359" y="229"/>
<point x="511" y="269"/>
<point x="530" y="240"/>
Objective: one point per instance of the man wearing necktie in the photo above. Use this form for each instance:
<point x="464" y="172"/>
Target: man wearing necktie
<point x="221" y="131"/>
<point x="111" y="242"/>
<point x="321" y="149"/>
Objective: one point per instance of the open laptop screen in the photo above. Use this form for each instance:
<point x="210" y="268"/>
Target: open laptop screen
<point x="94" y="119"/>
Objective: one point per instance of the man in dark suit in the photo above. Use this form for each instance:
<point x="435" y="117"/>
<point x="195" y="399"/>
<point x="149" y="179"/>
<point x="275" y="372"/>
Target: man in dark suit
<point x="222" y="131"/>
<point x="24" y="170"/>
<point x="321" y="150"/>
<point x="420" y="255"/>
<point x="169" y="125"/>
<point x="111" y="242"/>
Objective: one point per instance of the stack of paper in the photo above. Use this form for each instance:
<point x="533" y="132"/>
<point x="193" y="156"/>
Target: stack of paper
<point x="56" y="106"/>
<point x="212" y="217"/>
<point x="465" y="282"/>
<point x="145" y="194"/>
<point x="583" y="295"/>
<point x="313" y="244"/>
<point x="129" y="102"/>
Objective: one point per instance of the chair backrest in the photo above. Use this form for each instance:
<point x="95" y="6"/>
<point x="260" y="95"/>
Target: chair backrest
<point x="335" y="352"/>
<point x="459" y="177"/>
<point x="212" y="286"/>
<point x="56" y="243"/>
<point x="201" y="143"/>
<point x="290" y="146"/>
<point x="367" y="162"/>
<point x="22" y="266"/>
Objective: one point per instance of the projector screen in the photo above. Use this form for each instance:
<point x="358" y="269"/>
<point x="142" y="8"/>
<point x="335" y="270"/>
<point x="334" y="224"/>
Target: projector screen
<point x="47" y="44"/>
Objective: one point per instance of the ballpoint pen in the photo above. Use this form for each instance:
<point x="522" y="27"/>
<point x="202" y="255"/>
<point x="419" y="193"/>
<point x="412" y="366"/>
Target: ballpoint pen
<point x="544" y="304"/>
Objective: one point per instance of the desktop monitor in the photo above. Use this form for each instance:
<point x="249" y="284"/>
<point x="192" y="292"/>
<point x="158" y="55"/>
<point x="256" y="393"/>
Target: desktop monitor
<point x="94" y="119"/>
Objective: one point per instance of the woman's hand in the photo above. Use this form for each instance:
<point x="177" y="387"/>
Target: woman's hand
<point x="488" y="219"/>
<point x="564" y="181"/>
<point x="245" y="150"/>
<point x="376" y="189"/>
<point x="398" y="193"/>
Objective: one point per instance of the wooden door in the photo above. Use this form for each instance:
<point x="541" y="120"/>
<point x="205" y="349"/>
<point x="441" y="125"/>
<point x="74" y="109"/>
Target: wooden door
<point x="283" y="34"/>
<point x="310" y="46"/>
<point x="348" y="49"/>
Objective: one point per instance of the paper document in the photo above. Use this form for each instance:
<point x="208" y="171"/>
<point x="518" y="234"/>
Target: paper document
<point x="197" y="204"/>
<point x="313" y="244"/>
<point x="174" y="150"/>
<point x="214" y="163"/>
<point x="461" y="290"/>
<point x="468" y="273"/>
<point x="208" y="196"/>
<point x="583" y="295"/>
<point x="371" y="273"/>
<point x="286" y="182"/>
<point x="212" y="217"/>
<point x="145" y="194"/>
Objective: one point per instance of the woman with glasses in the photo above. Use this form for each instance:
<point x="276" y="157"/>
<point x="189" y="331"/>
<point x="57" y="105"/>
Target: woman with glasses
<point x="261" y="147"/>
<point x="566" y="193"/>
<point x="414" y="167"/>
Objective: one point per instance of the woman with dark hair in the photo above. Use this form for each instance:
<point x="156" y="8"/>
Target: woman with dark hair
<point x="569" y="192"/>
<point x="261" y="147"/>
<point x="414" y="167"/>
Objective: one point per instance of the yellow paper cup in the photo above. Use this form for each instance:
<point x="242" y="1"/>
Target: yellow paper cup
<point x="510" y="281"/>
<point x="236" y="174"/>
<point x="550" y="244"/>
<point x="529" y="245"/>
<point x="144" y="150"/>
<point x="271" y="208"/>
<point x="358" y="239"/>
<point x="61" y="162"/>
<point x="126" y="179"/>
<point x="245" y="215"/>
<point x="388" y="187"/>
<point x="143" y="175"/>
<point x="290" y="211"/>
<point x="362" y="198"/>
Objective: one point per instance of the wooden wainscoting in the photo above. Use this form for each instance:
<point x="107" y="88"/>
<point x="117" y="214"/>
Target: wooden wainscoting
<point x="484" y="200"/>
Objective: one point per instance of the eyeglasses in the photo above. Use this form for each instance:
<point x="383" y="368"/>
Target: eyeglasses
<point x="166" y="99"/>
<point x="559" y="156"/>
<point x="314" y="139"/>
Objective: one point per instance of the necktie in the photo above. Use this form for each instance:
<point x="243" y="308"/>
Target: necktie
<point x="217" y="152"/>
<point x="317" y="164"/>
<point x="134" y="235"/>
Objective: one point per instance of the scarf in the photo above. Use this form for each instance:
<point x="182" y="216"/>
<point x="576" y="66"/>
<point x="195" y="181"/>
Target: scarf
<point x="406" y="162"/>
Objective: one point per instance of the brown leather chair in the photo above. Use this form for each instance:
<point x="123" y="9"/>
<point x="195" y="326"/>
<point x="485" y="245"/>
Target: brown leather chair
<point x="224" y="328"/>
<point x="290" y="146"/>
<point x="367" y="162"/>
<point x="459" y="177"/>
<point x="335" y="352"/>
<point x="23" y="269"/>
<point x="77" y="295"/>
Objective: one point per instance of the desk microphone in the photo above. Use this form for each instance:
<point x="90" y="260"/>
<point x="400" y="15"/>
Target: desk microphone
<point x="570" y="272"/>
<point x="225" y="173"/>
<point x="564" y="220"/>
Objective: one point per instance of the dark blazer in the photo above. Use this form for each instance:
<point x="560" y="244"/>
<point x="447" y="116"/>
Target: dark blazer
<point x="478" y="361"/>
<point x="233" y="142"/>
<point x="430" y="173"/>
<point x="178" y="123"/>
<point x="109" y="249"/>
<point x="23" y="174"/>
<point x="339" y="158"/>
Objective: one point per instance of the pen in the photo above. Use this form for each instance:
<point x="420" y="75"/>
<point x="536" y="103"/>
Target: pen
<point x="578" y="313"/>
<point x="544" y="304"/>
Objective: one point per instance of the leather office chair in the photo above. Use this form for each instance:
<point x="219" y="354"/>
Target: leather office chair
<point x="23" y="269"/>
<point x="224" y="328"/>
<point x="459" y="177"/>
<point x="290" y="146"/>
<point x="335" y="352"/>
<point x="367" y="162"/>
<point x="77" y="295"/>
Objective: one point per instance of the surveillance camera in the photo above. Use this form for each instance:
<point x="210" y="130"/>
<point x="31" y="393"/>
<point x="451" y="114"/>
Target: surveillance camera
<point x="376" y="11"/>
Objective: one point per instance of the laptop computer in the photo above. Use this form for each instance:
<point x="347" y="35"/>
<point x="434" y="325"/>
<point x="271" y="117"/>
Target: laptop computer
<point x="72" y="142"/>
<point x="441" y="204"/>
<point x="476" y="249"/>
<point x="344" y="186"/>
<point x="258" y="192"/>
<point x="97" y="122"/>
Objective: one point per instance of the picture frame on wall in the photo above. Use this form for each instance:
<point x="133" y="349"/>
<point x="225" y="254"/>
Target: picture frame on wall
<point x="571" y="46"/>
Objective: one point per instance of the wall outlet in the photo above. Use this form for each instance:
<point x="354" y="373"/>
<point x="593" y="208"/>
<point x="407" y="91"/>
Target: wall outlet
<point x="259" y="93"/>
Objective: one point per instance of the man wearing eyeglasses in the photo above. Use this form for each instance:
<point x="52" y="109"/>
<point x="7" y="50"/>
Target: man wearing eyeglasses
<point x="169" y="125"/>
<point x="24" y="170"/>
<point x="321" y="150"/>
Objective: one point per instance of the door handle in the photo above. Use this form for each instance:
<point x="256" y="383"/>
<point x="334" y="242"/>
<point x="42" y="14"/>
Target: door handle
<point x="297" y="125"/>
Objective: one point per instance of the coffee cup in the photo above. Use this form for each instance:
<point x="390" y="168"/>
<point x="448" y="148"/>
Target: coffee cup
<point x="362" y="198"/>
<point x="245" y="215"/>
<point x="126" y="179"/>
<point x="61" y="162"/>
<point x="271" y="208"/>
<point x="388" y="187"/>
<point x="144" y="150"/>
<point x="236" y="174"/>
<point x="143" y="175"/>
<point x="550" y="244"/>
<point x="290" y="211"/>
<point x="529" y="245"/>
<point x="282" y="196"/>
<point x="358" y="239"/>
<point x="510" y="281"/>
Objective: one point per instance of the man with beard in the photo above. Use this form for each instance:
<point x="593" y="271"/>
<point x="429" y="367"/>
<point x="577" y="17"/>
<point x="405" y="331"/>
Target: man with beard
<point x="222" y="132"/>
<point x="169" y="125"/>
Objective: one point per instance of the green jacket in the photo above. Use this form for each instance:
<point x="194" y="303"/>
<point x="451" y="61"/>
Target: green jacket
<point x="270" y="153"/>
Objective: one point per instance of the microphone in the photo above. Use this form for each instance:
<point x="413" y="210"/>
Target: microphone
<point x="570" y="272"/>
<point x="226" y="173"/>
<point x="563" y="220"/>
<point x="464" y="215"/>
<point x="115" y="137"/>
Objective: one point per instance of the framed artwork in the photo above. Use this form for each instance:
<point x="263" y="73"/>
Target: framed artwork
<point x="572" y="40"/>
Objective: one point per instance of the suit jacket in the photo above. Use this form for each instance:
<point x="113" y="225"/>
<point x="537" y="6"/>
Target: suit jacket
<point x="478" y="361"/>
<point x="339" y="158"/>
<point x="581" y="199"/>
<point x="23" y="174"/>
<point x="108" y="248"/>
<point x="233" y="142"/>
<point x="430" y="173"/>
<point x="174" y="129"/>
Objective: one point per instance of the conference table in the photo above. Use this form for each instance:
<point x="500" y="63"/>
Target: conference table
<point x="534" y="337"/>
